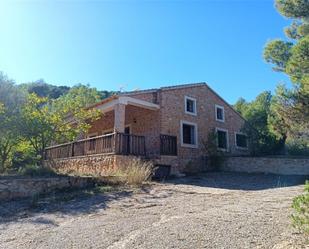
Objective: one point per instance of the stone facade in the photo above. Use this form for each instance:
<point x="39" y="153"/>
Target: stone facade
<point x="167" y="120"/>
<point x="103" y="124"/>
<point x="172" y="112"/>
<point x="95" y="165"/>
<point x="18" y="187"/>
<point x="274" y="165"/>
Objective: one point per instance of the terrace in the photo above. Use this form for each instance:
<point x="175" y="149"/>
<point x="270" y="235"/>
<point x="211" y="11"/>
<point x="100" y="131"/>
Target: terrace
<point x="111" y="144"/>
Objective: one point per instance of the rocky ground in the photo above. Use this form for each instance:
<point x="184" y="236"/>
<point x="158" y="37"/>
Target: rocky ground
<point x="218" y="210"/>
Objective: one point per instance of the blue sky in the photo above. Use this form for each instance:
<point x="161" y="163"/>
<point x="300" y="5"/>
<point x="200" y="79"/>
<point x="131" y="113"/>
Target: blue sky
<point x="142" y="44"/>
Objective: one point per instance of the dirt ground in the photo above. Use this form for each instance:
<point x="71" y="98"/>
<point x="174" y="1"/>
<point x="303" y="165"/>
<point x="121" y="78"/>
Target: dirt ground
<point x="217" y="210"/>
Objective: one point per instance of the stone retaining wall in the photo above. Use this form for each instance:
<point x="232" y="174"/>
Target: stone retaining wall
<point x="95" y="165"/>
<point x="274" y="165"/>
<point x="183" y="164"/>
<point x="19" y="187"/>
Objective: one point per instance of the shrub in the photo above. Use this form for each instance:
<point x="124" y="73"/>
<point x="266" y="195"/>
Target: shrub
<point x="215" y="156"/>
<point x="135" y="173"/>
<point x="300" y="218"/>
<point x="138" y="172"/>
<point x="35" y="170"/>
<point x="298" y="147"/>
<point x="23" y="155"/>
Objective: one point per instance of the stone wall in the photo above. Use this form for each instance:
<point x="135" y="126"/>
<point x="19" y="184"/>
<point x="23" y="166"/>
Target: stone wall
<point x="20" y="187"/>
<point x="104" y="124"/>
<point x="84" y="165"/>
<point x="183" y="165"/>
<point x="94" y="165"/>
<point x="274" y="165"/>
<point x="173" y="112"/>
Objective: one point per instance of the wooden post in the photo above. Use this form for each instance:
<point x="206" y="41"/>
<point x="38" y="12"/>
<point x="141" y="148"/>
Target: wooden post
<point x="144" y="146"/>
<point x="131" y="140"/>
<point x="72" y="149"/>
<point x="114" y="143"/>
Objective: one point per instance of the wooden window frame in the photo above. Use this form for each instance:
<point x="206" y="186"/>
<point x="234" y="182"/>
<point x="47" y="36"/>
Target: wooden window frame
<point x="194" y="146"/>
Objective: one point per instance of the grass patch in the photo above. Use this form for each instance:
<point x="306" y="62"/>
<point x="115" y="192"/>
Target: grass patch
<point x="136" y="173"/>
<point x="300" y="217"/>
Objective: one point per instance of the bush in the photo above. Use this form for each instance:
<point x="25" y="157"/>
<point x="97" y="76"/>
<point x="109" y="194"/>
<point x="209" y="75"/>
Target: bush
<point x="215" y="156"/>
<point x="135" y="173"/>
<point x="298" y="147"/>
<point x="35" y="170"/>
<point x="23" y="155"/>
<point x="300" y="218"/>
<point x="138" y="172"/>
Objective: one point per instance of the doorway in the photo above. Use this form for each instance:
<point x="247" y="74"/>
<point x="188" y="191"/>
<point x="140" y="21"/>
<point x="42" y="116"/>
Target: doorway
<point x="127" y="130"/>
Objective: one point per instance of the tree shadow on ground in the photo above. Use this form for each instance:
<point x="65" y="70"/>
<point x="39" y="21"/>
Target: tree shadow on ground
<point x="241" y="181"/>
<point x="72" y="202"/>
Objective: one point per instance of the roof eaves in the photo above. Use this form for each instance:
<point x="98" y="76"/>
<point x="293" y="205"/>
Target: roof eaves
<point x="102" y="102"/>
<point x="183" y="86"/>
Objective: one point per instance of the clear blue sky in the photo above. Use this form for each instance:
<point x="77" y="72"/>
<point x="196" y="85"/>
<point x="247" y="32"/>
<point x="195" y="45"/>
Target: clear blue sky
<point x="142" y="44"/>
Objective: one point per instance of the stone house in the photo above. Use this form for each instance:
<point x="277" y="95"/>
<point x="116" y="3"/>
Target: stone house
<point x="169" y="125"/>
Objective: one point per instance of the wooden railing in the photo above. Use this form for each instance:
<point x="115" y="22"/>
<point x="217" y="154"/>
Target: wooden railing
<point x="127" y="144"/>
<point x="168" y="145"/>
<point x="115" y="143"/>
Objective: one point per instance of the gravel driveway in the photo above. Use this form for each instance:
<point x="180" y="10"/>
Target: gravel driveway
<point x="218" y="210"/>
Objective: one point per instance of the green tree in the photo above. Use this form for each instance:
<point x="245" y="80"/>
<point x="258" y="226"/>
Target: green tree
<point x="45" y="121"/>
<point x="292" y="58"/>
<point x="257" y="113"/>
<point x="8" y="137"/>
<point x="105" y="94"/>
<point x="11" y="98"/>
<point x="42" y="89"/>
<point x="276" y="122"/>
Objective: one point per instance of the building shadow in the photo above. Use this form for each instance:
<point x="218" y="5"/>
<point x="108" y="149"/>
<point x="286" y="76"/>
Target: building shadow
<point x="240" y="181"/>
<point x="62" y="203"/>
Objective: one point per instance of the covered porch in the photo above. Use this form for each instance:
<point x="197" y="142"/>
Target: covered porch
<point x="127" y="126"/>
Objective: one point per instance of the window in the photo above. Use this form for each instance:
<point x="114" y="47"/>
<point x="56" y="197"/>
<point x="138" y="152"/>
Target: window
<point x="188" y="134"/>
<point x="219" y="113"/>
<point x="190" y="105"/>
<point x="222" y="139"/>
<point x="241" y="141"/>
